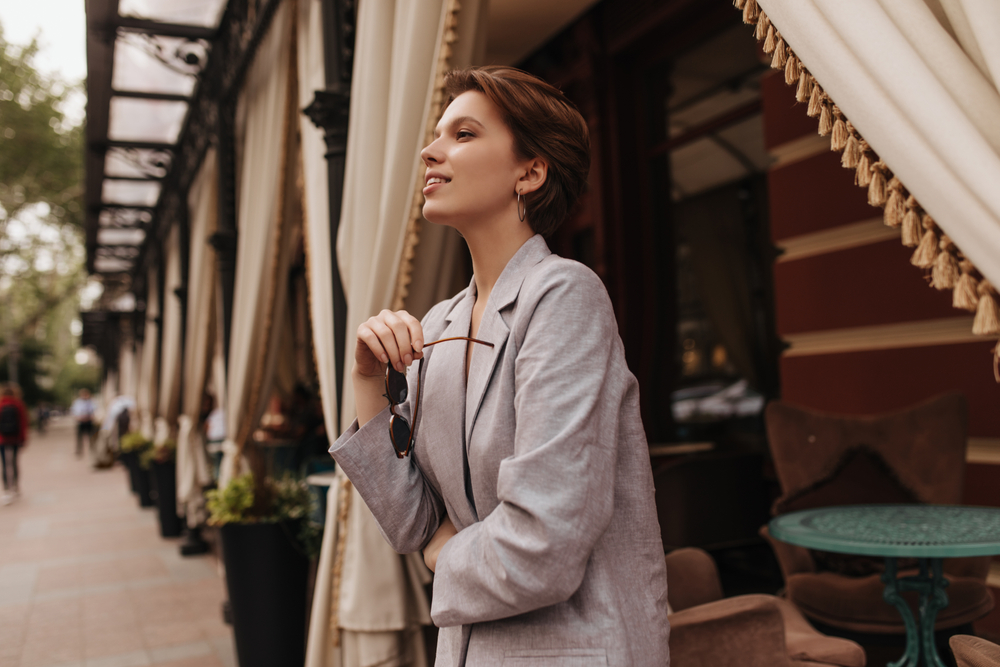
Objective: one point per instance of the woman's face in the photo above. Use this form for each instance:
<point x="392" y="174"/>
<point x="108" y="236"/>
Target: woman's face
<point x="472" y="172"/>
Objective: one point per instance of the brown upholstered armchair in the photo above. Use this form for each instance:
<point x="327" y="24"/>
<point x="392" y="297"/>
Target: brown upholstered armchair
<point x="974" y="652"/>
<point x="745" y="631"/>
<point x="912" y="456"/>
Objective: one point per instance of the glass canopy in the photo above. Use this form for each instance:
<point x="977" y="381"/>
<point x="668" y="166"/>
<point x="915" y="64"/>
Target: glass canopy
<point x="145" y="80"/>
<point x="206" y="13"/>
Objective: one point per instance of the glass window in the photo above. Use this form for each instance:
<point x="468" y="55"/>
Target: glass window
<point x="206" y="13"/>
<point x="145" y="120"/>
<point x="153" y="64"/>
<point x="124" y="217"/>
<point x="130" y="193"/>
<point x="111" y="265"/>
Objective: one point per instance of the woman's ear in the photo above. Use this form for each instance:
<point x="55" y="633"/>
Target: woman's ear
<point x="534" y="175"/>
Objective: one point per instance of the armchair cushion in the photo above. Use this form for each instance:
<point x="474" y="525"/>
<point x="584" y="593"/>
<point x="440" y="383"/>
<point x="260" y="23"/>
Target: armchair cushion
<point x="747" y="631"/>
<point x="855" y="603"/>
<point x="807" y="645"/>
<point x="696" y="581"/>
<point x="974" y="651"/>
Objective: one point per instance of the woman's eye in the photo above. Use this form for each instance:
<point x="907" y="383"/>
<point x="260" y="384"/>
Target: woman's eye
<point x="464" y="134"/>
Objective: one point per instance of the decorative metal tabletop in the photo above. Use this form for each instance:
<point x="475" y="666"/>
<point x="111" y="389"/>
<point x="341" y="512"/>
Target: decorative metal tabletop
<point x="915" y="531"/>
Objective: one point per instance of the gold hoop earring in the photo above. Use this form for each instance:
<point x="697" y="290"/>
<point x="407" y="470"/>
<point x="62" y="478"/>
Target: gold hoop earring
<point x="522" y="209"/>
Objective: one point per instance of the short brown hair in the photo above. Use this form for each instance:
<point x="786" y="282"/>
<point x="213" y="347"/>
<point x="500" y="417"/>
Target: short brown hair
<point x="546" y="125"/>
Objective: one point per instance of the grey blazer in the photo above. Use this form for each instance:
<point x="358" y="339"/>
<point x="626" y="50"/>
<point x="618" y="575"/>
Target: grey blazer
<point x="558" y="559"/>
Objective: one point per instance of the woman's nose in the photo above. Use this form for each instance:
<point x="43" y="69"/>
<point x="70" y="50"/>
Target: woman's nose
<point x="430" y="154"/>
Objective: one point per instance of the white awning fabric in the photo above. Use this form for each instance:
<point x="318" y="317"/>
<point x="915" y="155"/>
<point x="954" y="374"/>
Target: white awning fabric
<point x="909" y="90"/>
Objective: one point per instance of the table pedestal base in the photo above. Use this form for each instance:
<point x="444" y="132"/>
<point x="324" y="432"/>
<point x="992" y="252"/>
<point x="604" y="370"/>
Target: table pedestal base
<point x="930" y="583"/>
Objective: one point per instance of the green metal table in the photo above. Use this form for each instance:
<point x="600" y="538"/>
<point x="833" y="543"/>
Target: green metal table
<point x="926" y="532"/>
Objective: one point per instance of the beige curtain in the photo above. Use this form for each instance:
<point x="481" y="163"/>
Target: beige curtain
<point x="400" y="50"/>
<point x="192" y="467"/>
<point x="262" y="140"/>
<point x="149" y="373"/>
<point x="169" y="395"/>
<point x="918" y="80"/>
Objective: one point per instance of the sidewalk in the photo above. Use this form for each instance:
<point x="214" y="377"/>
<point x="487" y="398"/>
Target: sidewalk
<point x="86" y="580"/>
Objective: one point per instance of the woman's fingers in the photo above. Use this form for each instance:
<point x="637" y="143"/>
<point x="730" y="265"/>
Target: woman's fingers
<point x="394" y="338"/>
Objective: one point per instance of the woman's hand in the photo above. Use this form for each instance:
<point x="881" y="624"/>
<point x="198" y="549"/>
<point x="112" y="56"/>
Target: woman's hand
<point x="389" y="337"/>
<point x="445" y="532"/>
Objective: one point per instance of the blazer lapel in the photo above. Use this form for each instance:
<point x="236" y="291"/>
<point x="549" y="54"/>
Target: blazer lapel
<point x="441" y="425"/>
<point x="493" y="328"/>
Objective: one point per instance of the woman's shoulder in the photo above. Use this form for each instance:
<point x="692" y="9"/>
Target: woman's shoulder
<point x="567" y="277"/>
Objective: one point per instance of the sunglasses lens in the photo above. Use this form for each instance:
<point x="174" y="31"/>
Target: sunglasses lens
<point x="396" y="384"/>
<point x="400" y="430"/>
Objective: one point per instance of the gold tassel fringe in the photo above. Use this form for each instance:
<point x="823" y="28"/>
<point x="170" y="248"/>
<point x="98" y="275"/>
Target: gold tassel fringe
<point x="987" y="322"/>
<point x="966" y="294"/>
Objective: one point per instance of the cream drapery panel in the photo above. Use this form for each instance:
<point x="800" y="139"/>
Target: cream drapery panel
<point x="169" y="395"/>
<point x="401" y="50"/>
<point x="126" y="371"/>
<point x="316" y="207"/>
<point x="192" y="468"/>
<point x="149" y="373"/>
<point x="263" y="116"/>
<point x="908" y="89"/>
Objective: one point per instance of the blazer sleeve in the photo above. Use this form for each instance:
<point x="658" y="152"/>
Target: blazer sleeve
<point x="557" y="491"/>
<point x="406" y="507"/>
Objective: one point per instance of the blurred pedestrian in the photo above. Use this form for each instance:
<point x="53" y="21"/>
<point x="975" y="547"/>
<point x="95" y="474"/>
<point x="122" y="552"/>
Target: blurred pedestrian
<point x="13" y="435"/>
<point x="83" y="411"/>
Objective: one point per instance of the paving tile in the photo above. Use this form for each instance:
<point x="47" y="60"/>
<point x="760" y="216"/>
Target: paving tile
<point x="86" y="580"/>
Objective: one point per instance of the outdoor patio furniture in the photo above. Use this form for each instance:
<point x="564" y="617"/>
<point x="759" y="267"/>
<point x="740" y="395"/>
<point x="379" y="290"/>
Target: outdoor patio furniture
<point x="707" y="630"/>
<point x="916" y="455"/>
<point x="974" y="651"/>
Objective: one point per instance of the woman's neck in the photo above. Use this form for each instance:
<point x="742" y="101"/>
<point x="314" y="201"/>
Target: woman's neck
<point x="491" y="248"/>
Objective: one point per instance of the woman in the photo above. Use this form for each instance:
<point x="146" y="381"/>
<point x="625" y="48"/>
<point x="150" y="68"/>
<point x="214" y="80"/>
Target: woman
<point x="529" y="488"/>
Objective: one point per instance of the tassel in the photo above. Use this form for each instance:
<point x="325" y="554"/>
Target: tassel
<point x="894" y="207"/>
<point x="840" y="135"/>
<point x="863" y="172"/>
<point x="760" y="32"/>
<point x="996" y="362"/>
<point x="987" y="322"/>
<point x="780" y="54"/>
<point x="927" y="251"/>
<point x="852" y="153"/>
<point x="966" y="295"/>
<point x="802" y="92"/>
<point x="815" y="101"/>
<point x="877" y="195"/>
<point x="739" y="4"/>
<point x="945" y="273"/>
<point x="770" y="42"/>
<point x="791" y="69"/>
<point x="911" y="228"/>
<point x="825" y="120"/>
<point x="750" y="12"/>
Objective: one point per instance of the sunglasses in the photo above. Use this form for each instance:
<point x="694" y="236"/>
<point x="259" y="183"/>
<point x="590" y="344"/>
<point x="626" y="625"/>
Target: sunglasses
<point x="396" y="390"/>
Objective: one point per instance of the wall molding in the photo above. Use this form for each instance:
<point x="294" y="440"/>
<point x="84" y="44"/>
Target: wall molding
<point x="795" y="150"/>
<point x="946" y="331"/>
<point x="852" y="235"/>
<point x="983" y="450"/>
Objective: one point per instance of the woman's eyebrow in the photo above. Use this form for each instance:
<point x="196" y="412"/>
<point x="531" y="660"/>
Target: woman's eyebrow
<point x="461" y="120"/>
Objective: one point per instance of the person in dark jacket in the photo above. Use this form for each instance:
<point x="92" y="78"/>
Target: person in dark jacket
<point x="13" y="436"/>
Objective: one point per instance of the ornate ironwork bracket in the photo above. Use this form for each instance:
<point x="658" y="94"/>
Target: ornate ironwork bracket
<point x="330" y="111"/>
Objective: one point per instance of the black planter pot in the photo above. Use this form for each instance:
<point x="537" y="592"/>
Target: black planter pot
<point x="144" y="484"/>
<point x="266" y="575"/>
<point x="165" y="477"/>
<point x="131" y="462"/>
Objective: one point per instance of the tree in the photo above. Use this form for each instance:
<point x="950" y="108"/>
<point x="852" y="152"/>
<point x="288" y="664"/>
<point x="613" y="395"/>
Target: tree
<point x="41" y="212"/>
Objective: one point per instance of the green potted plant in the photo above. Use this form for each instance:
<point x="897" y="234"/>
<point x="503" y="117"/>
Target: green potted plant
<point x="160" y="459"/>
<point x="267" y="541"/>
<point x="133" y="444"/>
